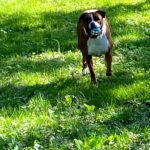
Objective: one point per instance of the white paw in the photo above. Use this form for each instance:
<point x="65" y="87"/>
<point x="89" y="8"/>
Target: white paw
<point x="84" y="71"/>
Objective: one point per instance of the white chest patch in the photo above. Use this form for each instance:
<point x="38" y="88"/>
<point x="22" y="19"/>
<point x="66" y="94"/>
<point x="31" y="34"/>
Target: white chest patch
<point x="98" y="46"/>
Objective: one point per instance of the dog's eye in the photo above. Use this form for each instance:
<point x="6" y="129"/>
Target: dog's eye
<point x="88" y="20"/>
<point x="96" y="18"/>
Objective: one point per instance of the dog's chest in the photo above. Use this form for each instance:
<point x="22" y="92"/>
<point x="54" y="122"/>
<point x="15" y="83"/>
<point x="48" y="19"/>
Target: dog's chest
<point x="98" y="46"/>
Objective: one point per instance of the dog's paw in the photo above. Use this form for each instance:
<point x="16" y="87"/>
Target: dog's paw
<point x="108" y="74"/>
<point x="84" y="71"/>
<point x="94" y="82"/>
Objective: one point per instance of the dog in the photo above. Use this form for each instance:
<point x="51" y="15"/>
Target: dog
<point x="94" y="39"/>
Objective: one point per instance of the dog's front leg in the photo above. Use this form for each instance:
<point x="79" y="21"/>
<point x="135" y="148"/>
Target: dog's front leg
<point x="90" y="65"/>
<point x="84" y="62"/>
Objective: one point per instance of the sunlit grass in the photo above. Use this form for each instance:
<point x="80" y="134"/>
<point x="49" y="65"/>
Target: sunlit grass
<point x="44" y="100"/>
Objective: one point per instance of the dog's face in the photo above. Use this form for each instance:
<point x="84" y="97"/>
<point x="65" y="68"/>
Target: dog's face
<point x="93" y="22"/>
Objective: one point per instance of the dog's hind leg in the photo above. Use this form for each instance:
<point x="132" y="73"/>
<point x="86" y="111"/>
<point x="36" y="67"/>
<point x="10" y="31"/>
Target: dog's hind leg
<point x="108" y="60"/>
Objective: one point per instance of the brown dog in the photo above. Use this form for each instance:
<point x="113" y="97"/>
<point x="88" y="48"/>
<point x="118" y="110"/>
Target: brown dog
<point x="94" y="39"/>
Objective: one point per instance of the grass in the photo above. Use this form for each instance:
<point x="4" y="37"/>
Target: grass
<point x="45" y="103"/>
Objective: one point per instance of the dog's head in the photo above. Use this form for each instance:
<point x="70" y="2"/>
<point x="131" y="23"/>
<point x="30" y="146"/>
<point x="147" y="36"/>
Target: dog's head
<point x="92" y="22"/>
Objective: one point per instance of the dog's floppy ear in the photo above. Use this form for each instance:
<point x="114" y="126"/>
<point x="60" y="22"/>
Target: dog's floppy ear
<point x="102" y="13"/>
<point x="82" y="17"/>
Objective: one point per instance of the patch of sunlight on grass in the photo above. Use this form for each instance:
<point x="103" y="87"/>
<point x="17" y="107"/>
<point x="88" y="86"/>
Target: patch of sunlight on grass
<point x="13" y="126"/>
<point x="135" y="90"/>
<point x="125" y="39"/>
<point x="37" y="113"/>
<point x="32" y="78"/>
<point x="55" y="6"/>
<point x="31" y="70"/>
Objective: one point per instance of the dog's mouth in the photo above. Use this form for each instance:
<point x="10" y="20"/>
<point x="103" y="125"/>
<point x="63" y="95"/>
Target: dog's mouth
<point x="95" y="32"/>
<point x="95" y="29"/>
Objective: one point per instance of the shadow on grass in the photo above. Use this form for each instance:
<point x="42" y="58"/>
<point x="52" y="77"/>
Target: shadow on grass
<point x="24" y="34"/>
<point x="133" y="121"/>
<point x="102" y="96"/>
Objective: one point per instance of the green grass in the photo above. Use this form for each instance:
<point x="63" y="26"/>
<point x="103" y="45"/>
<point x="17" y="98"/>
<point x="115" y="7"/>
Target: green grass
<point x="45" y="103"/>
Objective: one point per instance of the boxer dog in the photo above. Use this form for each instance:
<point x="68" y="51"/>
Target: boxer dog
<point x="94" y="39"/>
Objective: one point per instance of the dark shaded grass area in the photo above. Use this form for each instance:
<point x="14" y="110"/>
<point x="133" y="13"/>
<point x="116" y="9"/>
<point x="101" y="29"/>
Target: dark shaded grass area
<point x="36" y="36"/>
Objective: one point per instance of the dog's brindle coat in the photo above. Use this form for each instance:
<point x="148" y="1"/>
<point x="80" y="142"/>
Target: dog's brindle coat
<point x="84" y="31"/>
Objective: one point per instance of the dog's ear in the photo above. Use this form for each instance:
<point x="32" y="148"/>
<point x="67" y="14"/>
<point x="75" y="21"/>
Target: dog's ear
<point x="82" y="17"/>
<point x="102" y="13"/>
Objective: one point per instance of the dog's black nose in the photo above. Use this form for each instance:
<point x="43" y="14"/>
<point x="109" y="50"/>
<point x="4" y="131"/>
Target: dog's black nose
<point x="94" y="25"/>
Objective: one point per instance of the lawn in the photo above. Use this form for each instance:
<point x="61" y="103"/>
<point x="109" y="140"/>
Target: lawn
<point x="45" y="103"/>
